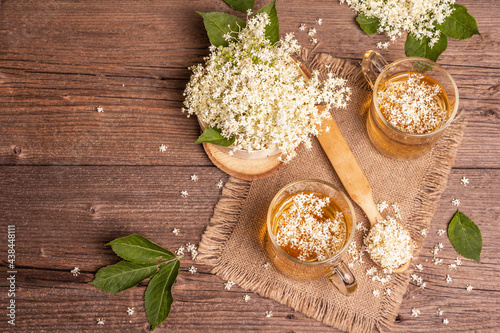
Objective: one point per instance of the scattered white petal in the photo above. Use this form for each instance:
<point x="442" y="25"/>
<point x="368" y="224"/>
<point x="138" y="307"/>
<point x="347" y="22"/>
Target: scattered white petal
<point x="220" y="184"/>
<point x="376" y="293"/>
<point x="464" y="181"/>
<point x="192" y="270"/>
<point x="194" y="254"/>
<point x="448" y="279"/>
<point x="388" y="292"/>
<point x="441" y="232"/>
<point x="350" y="265"/>
<point x="452" y="266"/>
<point x="458" y="261"/>
<point x="130" y="311"/>
<point x="415" y="312"/>
<point x="228" y="285"/>
<point x="312" y="32"/>
<point x="423" y="285"/>
<point x="269" y="314"/>
<point x="194" y="178"/>
<point x="445" y="321"/>
<point x="455" y="202"/>
<point x="371" y="271"/>
<point x="439" y="312"/>
<point x="437" y="261"/>
<point x="100" y="321"/>
<point x="75" y="271"/>
<point x="100" y="109"/>
<point x="176" y="231"/>
<point x="302" y="27"/>
<point x="424" y="231"/>
<point x="162" y="148"/>
<point x="266" y="265"/>
<point x="420" y="267"/>
<point x="184" y="194"/>
<point x="319" y="21"/>
<point x="180" y="251"/>
<point x="469" y="288"/>
<point x="246" y="298"/>
<point x="314" y="41"/>
<point x="382" y="206"/>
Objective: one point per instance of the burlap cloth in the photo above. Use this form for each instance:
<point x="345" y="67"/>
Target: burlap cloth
<point x="233" y="241"/>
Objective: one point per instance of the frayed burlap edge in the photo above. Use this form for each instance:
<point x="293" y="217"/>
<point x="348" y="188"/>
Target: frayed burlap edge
<point x="234" y="194"/>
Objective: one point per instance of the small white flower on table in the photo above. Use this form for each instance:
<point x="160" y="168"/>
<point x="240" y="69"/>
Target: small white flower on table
<point x="100" y="109"/>
<point x="192" y="270"/>
<point x="423" y="285"/>
<point x="312" y="32"/>
<point x="220" y="184"/>
<point x="228" y="285"/>
<point x="194" y="178"/>
<point x="445" y="321"/>
<point x="162" y="148"/>
<point x="314" y="41"/>
<point x="376" y="293"/>
<point x="176" y="231"/>
<point x="266" y="265"/>
<point x="420" y="267"/>
<point x="424" y="231"/>
<point x="302" y="27"/>
<point x="469" y="288"/>
<point x="75" y="271"/>
<point x="455" y="202"/>
<point x="458" y="261"/>
<point x="319" y="21"/>
<point x="448" y="279"/>
<point x="452" y="266"/>
<point x="246" y="298"/>
<point x="130" y="311"/>
<point x="464" y="181"/>
<point x="180" y="251"/>
<point x="269" y="314"/>
<point x="415" y="312"/>
<point x="439" y="312"/>
<point x="441" y="232"/>
<point x="184" y="194"/>
<point x="100" y="321"/>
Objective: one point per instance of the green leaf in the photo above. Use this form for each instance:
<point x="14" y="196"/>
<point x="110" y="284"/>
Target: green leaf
<point x="140" y="250"/>
<point x="158" y="297"/>
<point x="465" y="236"/>
<point x="213" y="135"/>
<point x="219" y="24"/>
<point x="122" y="275"/>
<point x="420" y="47"/>
<point x="368" y="24"/>
<point x="241" y="5"/>
<point x="460" y="24"/>
<point x="273" y="29"/>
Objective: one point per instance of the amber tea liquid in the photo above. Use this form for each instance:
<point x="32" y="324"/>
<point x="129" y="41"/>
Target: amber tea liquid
<point x="414" y="104"/>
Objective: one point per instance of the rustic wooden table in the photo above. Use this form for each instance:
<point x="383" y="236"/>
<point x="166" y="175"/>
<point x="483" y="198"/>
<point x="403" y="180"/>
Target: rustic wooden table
<point x="72" y="179"/>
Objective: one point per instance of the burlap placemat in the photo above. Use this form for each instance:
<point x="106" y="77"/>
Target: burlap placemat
<point x="233" y="241"/>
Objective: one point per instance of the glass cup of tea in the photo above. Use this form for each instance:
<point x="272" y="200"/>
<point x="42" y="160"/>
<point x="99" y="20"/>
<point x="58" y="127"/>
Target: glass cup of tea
<point x="414" y="100"/>
<point x="310" y="224"/>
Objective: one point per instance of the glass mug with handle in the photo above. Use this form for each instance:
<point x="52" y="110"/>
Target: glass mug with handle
<point x="331" y="266"/>
<point x="408" y="132"/>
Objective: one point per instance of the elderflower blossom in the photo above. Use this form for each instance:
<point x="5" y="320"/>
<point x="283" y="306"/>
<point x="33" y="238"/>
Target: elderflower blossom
<point x="419" y="17"/>
<point x="255" y="91"/>
<point x="389" y="244"/>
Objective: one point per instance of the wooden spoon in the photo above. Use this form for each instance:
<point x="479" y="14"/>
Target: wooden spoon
<point x="350" y="173"/>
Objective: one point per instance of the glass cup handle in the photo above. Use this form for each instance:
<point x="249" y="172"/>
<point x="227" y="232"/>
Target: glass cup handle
<point x="371" y="66"/>
<point x="342" y="278"/>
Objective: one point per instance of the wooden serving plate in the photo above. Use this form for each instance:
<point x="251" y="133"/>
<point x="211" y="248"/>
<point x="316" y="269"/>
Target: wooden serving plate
<point x="242" y="168"/>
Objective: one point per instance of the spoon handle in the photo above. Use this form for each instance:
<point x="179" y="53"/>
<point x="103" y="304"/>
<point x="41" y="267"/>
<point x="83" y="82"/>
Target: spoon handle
<point x="350" y="173"/>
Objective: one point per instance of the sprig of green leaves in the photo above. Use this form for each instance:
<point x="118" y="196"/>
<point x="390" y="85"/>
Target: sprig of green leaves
<point x="459" y="25"/>
<point x="143" y="259"/>
<point x="465" y="236"/>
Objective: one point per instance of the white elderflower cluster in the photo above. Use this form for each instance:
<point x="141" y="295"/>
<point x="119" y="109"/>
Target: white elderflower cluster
<point x="307" y="231"/>
<point x="389" y="244"/>
<point x="420" y="17"/>
<point x="256" y="92"/>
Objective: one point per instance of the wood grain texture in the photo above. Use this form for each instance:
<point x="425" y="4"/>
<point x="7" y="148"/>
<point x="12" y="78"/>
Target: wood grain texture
<point x="64" y="216"/>
<point x="72" y="179"/>
<point x="60" y="60"/>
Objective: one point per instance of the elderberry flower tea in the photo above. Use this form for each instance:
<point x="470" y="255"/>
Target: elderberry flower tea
<point x="414" y="100"/>
<point x="310" y="224"/>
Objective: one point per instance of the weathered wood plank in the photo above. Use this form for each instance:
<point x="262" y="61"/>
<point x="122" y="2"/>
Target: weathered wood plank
<point x="60" y="60"/>
<point x="65" y="214"/>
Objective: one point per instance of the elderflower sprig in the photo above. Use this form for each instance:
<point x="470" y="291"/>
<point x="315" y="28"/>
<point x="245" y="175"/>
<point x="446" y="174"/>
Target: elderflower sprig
<point x="428" y="23"/>
<point x="254" y="91"/>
